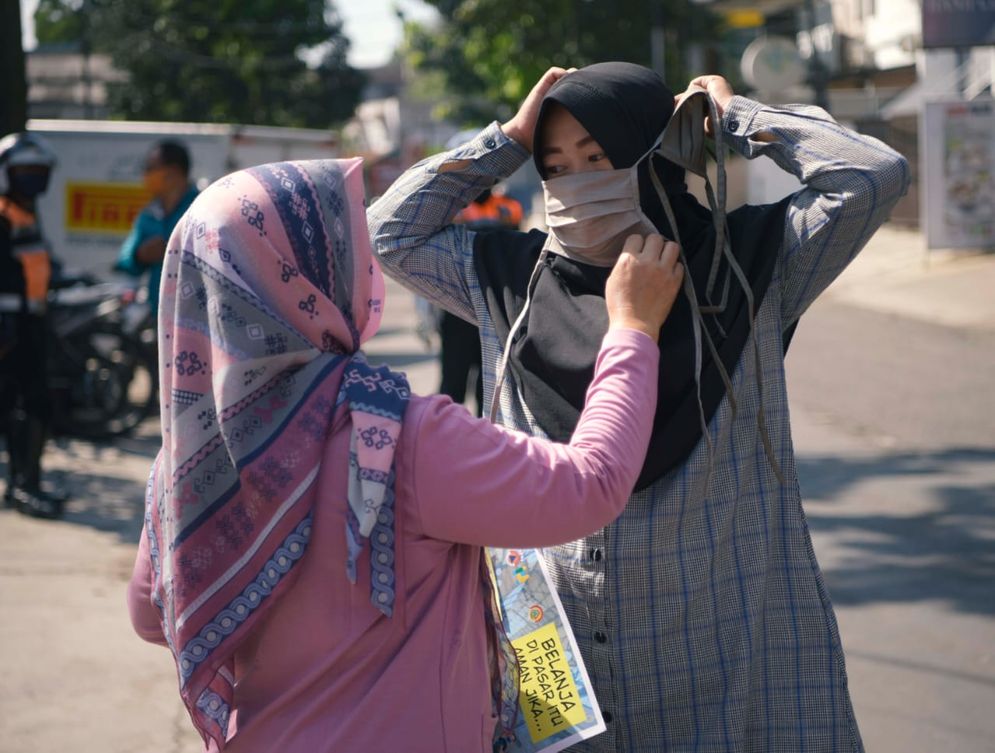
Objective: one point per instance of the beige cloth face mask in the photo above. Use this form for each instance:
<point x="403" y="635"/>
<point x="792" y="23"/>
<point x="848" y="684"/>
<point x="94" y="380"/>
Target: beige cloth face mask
<point x="683" y="140"/>
<point x="590" y="214"/>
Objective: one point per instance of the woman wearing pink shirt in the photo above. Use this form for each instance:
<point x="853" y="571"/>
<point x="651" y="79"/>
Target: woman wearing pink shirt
<point x="312" y="552"/>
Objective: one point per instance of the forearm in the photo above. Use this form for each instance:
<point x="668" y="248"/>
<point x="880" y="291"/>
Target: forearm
<point x="805" y="141"/>
<point x="127" y="259"/>
<point x="851" y="183"/>
<point x="502" y="488"/>
<point x="429" y="194"/>
<point x="152" y="251"/>
<point x="410" y="225"/>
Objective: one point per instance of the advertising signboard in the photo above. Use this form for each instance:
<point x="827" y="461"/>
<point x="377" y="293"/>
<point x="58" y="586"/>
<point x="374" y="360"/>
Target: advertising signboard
<point x="958" y="23"/>
<point x="96" y="189"/>
<point x="959" y="158"/>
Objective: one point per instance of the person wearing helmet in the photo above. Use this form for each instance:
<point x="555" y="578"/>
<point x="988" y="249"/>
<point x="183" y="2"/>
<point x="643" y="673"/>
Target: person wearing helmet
<point x="166" y="175"/>
<point x="26" y="162"/>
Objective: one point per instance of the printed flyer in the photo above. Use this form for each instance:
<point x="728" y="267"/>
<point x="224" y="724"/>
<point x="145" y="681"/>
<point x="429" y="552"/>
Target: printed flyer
<point x="557" y="707"/>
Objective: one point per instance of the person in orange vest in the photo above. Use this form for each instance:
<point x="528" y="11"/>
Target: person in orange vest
<point x="459" y="353"/>
<point x="492" y="210"/>
<point x="26" y="162"/>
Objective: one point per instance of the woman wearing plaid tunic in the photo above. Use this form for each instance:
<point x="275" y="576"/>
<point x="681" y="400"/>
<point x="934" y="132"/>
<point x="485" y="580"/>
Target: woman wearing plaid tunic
<point x="701" y="612"/>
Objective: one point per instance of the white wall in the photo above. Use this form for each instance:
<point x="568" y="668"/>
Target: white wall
<point x="892" y="32"/>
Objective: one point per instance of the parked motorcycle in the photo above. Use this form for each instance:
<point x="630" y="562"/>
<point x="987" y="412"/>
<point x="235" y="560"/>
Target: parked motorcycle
<point x="102" y="372"/>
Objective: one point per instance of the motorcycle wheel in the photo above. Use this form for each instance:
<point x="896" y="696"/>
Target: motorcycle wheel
<point x="110" y="383"/>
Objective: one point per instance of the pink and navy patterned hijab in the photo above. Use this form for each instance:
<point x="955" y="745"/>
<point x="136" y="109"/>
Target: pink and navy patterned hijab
<point x="269" y="289"/>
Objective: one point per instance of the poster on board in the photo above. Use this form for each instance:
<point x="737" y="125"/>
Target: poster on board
<point x="958" y="141"/>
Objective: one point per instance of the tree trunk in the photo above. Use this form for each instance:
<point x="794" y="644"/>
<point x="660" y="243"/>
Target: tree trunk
<point x="13" y="79"/>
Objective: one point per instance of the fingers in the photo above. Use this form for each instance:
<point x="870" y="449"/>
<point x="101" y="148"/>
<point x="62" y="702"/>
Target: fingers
<point x="522" y="125"/>
<point x="666" y="255"/>
<point x="670" y="255"/>
<point x="678" y="272"/>
<point x="550" y="77"/>
<point x="669" y="258"/>
<point x="653" y="247"/>
<point x="705" y="81"/>
<point x="553" y="74"/>
<point x="633" y="245"/>
<point x="718" y="88"/>
<point x="642" y="287"/>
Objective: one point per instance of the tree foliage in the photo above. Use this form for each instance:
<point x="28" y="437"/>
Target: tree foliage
<point x="217" y="60"/>
<point x="491" y="52"/>
<point x="59" y="21"/>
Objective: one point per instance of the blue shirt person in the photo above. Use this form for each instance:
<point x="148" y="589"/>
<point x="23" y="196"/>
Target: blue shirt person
<point x="166" y="175"/>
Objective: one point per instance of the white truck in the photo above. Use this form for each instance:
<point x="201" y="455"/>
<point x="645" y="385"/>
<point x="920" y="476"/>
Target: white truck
<point x="96" y="189"/>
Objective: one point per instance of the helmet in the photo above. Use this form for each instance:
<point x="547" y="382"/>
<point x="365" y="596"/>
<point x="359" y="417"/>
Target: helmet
<point x="23" y="149"/>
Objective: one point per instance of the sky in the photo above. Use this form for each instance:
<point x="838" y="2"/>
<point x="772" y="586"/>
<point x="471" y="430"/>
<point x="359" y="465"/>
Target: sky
<point x="371" y="25"/>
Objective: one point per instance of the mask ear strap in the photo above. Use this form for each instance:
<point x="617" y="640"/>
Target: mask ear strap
<point x="697" y="309"/>
<point x="697" y="325"/>
<point x="747" y="290"/>
<point x="503" y="367"/>
<point x="724" y="248"/>
<point x="717" y="204"/>
<point x="693" y="141"/>
<point x="761" y="415"/>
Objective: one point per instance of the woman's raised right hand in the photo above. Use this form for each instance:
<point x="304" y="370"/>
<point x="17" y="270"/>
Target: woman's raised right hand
<point x="522" y="125"/>
<point x="644" y="284"/>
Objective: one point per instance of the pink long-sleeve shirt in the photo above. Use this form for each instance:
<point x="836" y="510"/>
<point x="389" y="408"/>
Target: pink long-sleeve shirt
<point x="326" y="671"/>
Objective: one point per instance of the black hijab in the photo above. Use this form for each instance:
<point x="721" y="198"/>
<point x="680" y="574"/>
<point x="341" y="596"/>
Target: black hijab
<point x="625" y="107"/>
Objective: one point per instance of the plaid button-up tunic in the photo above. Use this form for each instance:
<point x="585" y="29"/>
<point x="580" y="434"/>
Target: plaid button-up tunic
<point x="701" y="612"/>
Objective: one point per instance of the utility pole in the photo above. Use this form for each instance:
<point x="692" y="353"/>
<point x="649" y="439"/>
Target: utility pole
<point x="13" y="82"/>
<point x="86" y="48"/>
<point x="962" y="57"/>
<point x="658" y="40"/>
<point x="816" y="70"/>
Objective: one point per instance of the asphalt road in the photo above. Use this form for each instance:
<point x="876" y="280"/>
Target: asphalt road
<point x="894" y="425"/>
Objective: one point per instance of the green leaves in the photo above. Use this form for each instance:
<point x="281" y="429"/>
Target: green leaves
<point x="217" y="60"/>
<point x="490" y="52"/>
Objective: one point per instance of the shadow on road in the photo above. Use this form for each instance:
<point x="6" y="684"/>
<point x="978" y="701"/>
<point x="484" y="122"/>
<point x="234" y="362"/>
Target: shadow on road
<point x="105" y="480"/>
<point x="112" y="505"/>
<point x="933" y="543"/>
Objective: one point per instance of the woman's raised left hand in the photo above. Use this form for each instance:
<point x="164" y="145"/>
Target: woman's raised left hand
<point x="719" y="90"/>
<point x="522" y="125"/>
